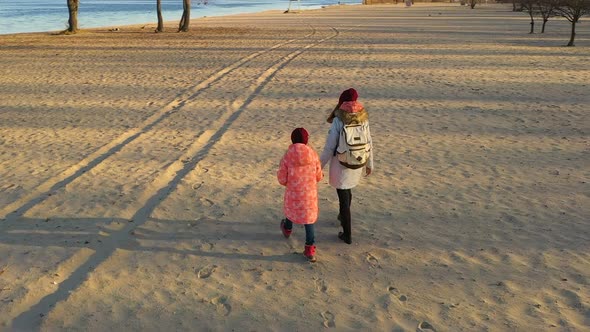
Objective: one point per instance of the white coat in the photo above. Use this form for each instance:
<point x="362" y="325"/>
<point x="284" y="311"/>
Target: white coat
<point x="342" y="177"/>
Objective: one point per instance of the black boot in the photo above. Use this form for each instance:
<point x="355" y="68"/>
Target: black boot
<point x="344" y="200"/>
<point x="345" y="235"/>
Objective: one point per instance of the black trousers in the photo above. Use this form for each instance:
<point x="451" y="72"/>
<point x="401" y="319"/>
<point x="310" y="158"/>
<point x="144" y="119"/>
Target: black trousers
<point x="345" y="200"/>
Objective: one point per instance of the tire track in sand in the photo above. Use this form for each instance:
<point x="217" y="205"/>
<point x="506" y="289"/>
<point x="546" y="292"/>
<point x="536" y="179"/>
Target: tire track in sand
<point x="19" y="207"/>
<point x="30" y="318"/>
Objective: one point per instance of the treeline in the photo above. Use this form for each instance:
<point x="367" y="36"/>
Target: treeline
<point x="572" y="10"/>
<point x="182" y="26"/>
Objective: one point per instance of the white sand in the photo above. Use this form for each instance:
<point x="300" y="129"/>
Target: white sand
<point x="138" y="188"/>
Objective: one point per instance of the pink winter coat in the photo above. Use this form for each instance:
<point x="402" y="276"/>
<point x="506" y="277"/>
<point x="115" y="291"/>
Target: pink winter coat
<point x="300" y="171"/>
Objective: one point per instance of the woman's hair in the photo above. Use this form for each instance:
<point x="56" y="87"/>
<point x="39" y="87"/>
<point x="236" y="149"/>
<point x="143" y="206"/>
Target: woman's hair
<point x="346" y="95"/>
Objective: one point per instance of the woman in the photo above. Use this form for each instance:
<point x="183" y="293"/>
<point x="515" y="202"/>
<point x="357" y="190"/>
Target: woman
<point x="348" y="112"/>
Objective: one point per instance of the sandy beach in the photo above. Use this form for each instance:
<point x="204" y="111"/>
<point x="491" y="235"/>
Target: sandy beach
<point x="138" y="186"/>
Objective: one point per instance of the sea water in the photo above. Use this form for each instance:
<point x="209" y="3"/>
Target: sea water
<point x="17" y="16"/>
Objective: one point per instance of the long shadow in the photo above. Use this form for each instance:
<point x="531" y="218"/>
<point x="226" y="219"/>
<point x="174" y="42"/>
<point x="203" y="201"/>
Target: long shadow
<point x="110" y="245"/>
<point x="166" y="111"/>
<point x="57" y="232"/>
<point x="90" y="233"/>
<point x="178" y="102"/>
<point x="105" y="247"/>
<point x="127" y="49"/>
<point x="88" y="166"/>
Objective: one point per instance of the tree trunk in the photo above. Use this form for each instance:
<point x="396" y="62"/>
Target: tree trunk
<point x="186" y="16"/>
<point x="571" y="43"/>
<point x="532" y="22"/>
<point x="160" y="27"/>
<point x="73" y="18"/>
<point x="543" y="26"/>
<point x="181" y="22"/>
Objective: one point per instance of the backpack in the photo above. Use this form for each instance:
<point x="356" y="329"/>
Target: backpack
<point x="354" y="145"/>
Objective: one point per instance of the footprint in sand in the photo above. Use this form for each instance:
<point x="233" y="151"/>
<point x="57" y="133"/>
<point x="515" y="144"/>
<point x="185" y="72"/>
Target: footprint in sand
<point x="392" y="290"/>
<point x="328" y="319"/>
<point x="372" y="260"/>
<point x="222" y="304"/>
<point x="206" y="271"/>
<point x="321" y="285"/>
<point x="206" y="246"/>
<point x="425" y="326"/>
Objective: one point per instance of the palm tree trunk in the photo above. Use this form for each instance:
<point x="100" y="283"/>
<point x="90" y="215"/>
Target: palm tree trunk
<point x="186" y="16"/>
<point x="73" y="15"/>
<point x="160" y="27"/>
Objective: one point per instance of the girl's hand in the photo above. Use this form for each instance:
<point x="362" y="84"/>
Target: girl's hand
<point x="367" y="171"/>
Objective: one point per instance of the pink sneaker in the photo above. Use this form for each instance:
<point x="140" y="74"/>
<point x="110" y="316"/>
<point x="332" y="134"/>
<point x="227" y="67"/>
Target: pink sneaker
<point x="286" y="232"/>
<point x="310" y="253"/>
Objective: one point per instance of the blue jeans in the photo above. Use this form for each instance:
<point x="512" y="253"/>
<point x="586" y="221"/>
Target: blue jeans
<point x="309" y="231"/>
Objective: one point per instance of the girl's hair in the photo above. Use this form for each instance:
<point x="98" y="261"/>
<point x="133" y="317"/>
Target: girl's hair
<point x="299" y="135"/>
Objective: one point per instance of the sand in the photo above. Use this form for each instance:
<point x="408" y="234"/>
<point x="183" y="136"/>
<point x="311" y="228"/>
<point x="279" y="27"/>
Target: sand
<point x="138" y="185"/>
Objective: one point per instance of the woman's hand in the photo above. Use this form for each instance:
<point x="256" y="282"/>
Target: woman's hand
<point x="368" y="171"/>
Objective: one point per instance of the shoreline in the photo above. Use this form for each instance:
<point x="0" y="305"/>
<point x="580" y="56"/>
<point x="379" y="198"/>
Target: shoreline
<point x="201" y="19"/>
<point x="179" y="13"/>
<point x="153" y="24"/>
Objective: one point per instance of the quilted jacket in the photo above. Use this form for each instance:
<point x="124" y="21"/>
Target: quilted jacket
<point x="300" y="171"/>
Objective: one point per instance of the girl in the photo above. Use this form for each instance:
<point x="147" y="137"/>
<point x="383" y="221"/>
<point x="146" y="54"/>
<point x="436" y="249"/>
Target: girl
<point x="300" y="171"/>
